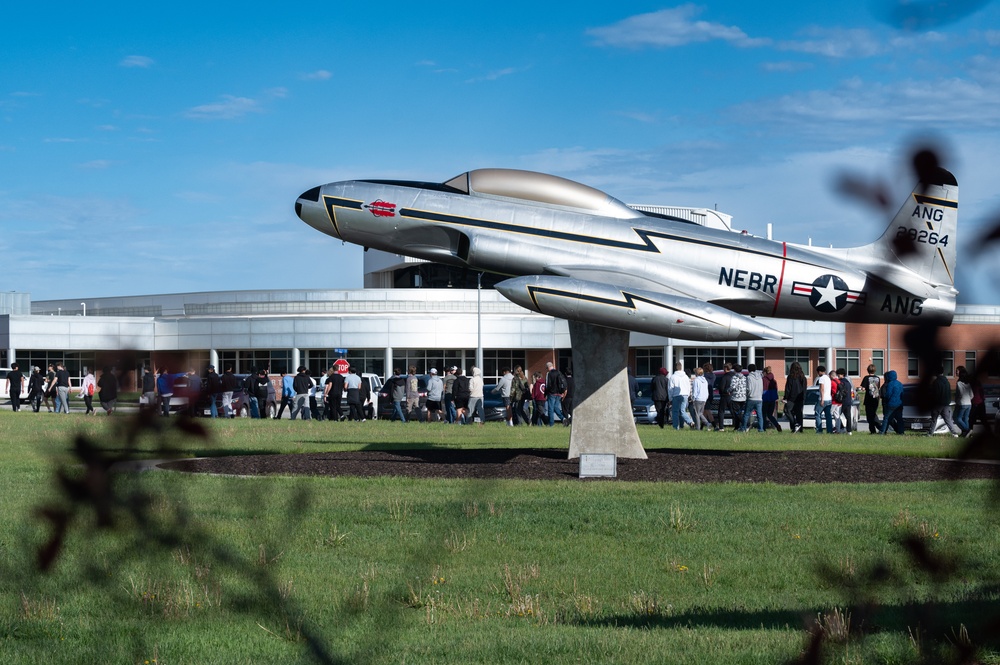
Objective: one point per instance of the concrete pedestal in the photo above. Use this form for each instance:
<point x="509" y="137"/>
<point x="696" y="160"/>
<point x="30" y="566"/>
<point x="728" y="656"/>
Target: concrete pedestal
<point x="602" y="413"/>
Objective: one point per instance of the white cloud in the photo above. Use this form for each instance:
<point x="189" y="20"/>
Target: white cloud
<point x="669" y="28"/>
<point x="786" y="66"/>
<point x="141" y="61"/>
<point x="640" y="116"/>
<point x="227" y="108"/>
<point x="96" y="165"/>
<point x="836" y="43"/>
<point x="855" y="42"/>
<point x="495" y="74"/>
<point x="318" y="75"/>
<point x="860" y="108"/>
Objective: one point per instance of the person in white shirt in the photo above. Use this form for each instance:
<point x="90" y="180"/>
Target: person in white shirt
<point x="699" y="395"/>
<point x="680" y="390"/>
<point x="503" y="389"/>
<point x="825" y="403"/>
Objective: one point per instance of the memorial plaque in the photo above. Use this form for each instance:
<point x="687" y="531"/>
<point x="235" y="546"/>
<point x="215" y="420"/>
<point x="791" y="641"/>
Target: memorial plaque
<point x="598" y="465"/>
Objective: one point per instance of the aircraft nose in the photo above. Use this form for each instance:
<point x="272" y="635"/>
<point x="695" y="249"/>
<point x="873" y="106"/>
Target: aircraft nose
<point x="310" y="211"/>
<point x="310" y="195"/>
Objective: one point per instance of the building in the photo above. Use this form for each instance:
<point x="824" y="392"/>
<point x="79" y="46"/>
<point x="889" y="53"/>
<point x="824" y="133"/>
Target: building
<point x="389" y="326"/>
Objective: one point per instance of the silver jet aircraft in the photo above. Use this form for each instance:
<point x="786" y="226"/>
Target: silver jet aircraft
<point x="576" y="253"/>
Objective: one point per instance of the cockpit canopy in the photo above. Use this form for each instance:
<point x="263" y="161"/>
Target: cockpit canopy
<point x="540" y="188"/>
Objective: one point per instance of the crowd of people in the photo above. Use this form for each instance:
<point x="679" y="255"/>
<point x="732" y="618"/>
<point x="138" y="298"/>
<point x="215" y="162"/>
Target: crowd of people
<point x="459" y="398"/>
<point x="745" y="397"/>
<point x="742" y="394"/>
<point x="52" y="389"/>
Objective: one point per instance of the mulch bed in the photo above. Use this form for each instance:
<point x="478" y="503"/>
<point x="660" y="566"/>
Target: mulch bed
<point x="786" y="468"/>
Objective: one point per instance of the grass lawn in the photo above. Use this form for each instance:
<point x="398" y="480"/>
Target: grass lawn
<point x="172" y="568"/>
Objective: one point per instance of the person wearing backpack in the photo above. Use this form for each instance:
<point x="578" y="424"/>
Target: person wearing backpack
<point x="737" y="395"/>
<point x="871" y="386"/>
<point x="845" y="395"/>
<point x="555" y="388"/>
<point x="89" y="385"/>
<point x="722" y="385"/>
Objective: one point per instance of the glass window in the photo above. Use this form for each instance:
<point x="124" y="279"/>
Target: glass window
<point x="912" y="365"/>
<point x="800" y="356"/>
<point x="691" y="357"/>
<point x="495" y="360"/>
<point x="367" y="360"/>
<point x="948" y="362"/>
<point x="74" y="361"/>
<point x="878" y="359"/>
<point x="648" y="360"/>
<point x="424" y="359"/>
<point x="970" y="361"/>
<point x="850" y="360"/>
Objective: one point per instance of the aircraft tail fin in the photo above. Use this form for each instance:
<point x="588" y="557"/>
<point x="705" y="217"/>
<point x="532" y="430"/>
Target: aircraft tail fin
<point x="923" y="235"/>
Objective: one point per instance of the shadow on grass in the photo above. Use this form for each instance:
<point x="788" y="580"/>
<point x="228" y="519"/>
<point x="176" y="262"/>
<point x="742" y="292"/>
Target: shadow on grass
<point x="935" y="620"/>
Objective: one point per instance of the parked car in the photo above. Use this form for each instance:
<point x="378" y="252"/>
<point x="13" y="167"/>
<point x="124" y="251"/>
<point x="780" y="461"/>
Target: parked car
<point x="385" y="399"/>
<point x="915" y="418"/>
<point x="493" y="405"/>
<point x="374" y="382"/>
<point x="643" y="409"/>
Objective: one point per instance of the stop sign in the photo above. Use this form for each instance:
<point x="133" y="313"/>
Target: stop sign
<point x="341" y="366"/>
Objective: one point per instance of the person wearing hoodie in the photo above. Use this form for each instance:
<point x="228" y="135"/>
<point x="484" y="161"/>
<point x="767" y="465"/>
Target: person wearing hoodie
<point x="892" y="404"/>
<point x="476" y="395"/>
<point x="755" y="398"/>
<point x="397" y="389"/>
<point x="941" y="408"/>
<point x="680" y="391"/>
<point x="770" y="400"/>
<point x="661" y="395"/>
<point x="699" y="397"/>
<point x="795" y="393"/>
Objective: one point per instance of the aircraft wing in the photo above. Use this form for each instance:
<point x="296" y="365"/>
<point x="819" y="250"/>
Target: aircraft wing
<point x="610" y="274"/>
<point x="639" y="310"/>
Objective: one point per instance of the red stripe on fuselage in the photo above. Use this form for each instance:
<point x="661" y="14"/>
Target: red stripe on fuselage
<point x="781" y="279"/>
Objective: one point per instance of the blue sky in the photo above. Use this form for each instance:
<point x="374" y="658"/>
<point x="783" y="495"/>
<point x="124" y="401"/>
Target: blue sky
<point x="160" y="149"/>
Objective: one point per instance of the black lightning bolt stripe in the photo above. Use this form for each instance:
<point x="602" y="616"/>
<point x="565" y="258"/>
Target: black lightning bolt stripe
<point x="646" y="245"/>
<point x="332" y="203"/>
<point x="628" y="300"/>
<point x="931" y="201"/>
